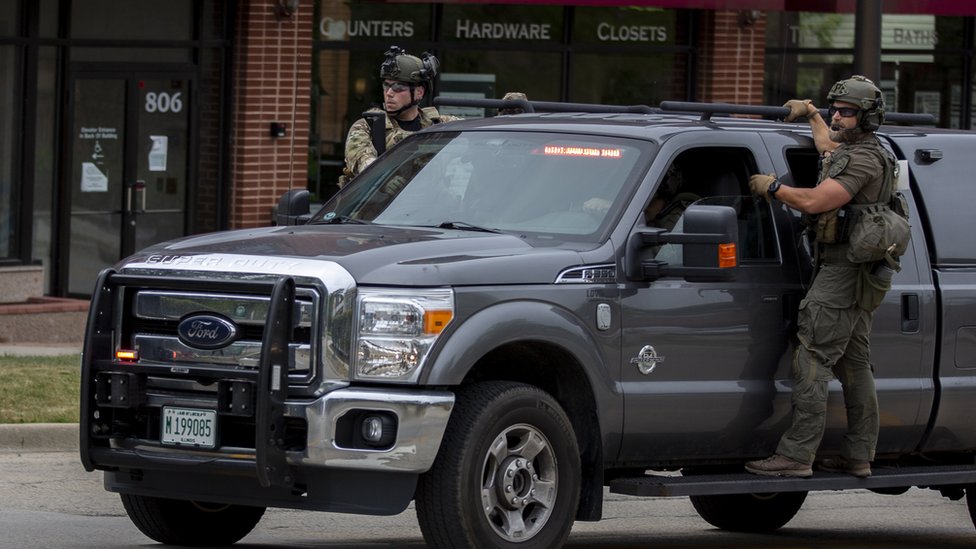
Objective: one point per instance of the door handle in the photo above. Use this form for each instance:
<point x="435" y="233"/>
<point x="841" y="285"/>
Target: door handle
<point x="137" y="187"/>
<point x="909" y="313"/>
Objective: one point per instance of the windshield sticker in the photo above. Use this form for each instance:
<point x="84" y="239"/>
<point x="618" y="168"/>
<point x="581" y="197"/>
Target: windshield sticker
<point x="591" y="152"/>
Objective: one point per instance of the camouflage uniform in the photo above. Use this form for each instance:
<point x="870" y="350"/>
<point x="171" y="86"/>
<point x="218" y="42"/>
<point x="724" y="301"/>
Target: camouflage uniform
<point x="834" y="331"/>
<point x="359" y="144"/>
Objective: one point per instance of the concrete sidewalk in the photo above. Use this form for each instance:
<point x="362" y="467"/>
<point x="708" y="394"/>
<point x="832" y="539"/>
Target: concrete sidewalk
<point x="38" y="437"/>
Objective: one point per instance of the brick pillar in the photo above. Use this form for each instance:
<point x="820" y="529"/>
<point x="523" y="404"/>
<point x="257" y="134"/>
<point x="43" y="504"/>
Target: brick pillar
<point x="272" y="79"/>
<point x="732" y="57"/>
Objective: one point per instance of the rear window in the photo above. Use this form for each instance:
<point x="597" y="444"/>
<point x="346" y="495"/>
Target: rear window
<point x="543" y="185"/>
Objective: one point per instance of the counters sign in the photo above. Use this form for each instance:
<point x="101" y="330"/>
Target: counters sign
<point x="332" y="29"/>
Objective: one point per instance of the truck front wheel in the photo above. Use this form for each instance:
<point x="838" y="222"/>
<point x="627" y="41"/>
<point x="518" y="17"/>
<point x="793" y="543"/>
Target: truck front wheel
<point x="190" y="523"/>
<point x="749" y="512"/>
<point x="507" y="473"/>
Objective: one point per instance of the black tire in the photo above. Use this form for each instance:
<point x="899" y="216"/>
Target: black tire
<point x="190" y="523"/>
<point x="749" y="512"/>
<point x="502" y="431"/>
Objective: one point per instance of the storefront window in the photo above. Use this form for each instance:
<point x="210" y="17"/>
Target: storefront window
<point x="126" y="20"/>
<point x="8" y="17"/>
<point x="8" y="213"/>
<point x="44" y="153"/>
<point x="921" y="67"/>
<point x="628" y="79"/>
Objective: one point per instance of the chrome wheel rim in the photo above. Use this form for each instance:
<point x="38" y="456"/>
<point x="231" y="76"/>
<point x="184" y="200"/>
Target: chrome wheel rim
<point x="519" y="483"/>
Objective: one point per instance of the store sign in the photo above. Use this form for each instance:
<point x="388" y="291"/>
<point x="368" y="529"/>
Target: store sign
<point x="332" y="29"/>
<point x="466" y="29"/>
<point x="607" y="32"/>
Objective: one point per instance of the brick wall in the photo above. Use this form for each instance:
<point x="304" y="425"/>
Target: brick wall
<point x="271" y="84"/>
<point x="731" y="57"/>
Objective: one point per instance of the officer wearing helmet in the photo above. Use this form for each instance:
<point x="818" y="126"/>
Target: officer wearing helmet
<point x="406" y="81"/>
<point x="834" y="324"/>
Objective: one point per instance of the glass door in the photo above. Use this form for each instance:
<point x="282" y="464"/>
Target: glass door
<point x="129" y="168"/>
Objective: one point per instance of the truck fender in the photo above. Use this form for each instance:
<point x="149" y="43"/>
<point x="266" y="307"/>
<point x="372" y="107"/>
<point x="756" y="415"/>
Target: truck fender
<point x="511" y="322"/>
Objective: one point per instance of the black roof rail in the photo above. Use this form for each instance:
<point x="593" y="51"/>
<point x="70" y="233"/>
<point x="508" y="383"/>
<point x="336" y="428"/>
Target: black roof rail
<point x="706" y="110"/>
<point x="778" y="113"/>
<point x="541" y="106"/>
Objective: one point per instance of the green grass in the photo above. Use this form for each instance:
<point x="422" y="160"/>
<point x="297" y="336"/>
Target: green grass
<point x="39" y="389"/>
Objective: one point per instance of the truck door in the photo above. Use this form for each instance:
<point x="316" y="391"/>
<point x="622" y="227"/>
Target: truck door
<point x="706" y="364"/>
<point x="905" y="388"/>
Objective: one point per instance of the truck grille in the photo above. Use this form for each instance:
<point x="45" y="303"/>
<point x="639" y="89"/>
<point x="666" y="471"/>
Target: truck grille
<point x="152" y="329"/>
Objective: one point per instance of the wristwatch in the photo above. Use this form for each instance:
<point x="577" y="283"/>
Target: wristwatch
<point x="773" y="187"/>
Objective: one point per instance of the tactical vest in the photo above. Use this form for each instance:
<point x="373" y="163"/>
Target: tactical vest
<point x="834" y="227"/>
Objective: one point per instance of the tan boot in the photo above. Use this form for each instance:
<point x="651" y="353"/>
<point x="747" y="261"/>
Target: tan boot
<point x="858" y="468"/>
<point x="779" y="466"/>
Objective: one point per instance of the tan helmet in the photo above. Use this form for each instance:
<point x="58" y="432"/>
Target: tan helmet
<point x="400" y="66"/>
<point x="859" y="90"/>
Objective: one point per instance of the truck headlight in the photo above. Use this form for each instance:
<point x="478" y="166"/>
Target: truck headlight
<point x="396" y="330"/>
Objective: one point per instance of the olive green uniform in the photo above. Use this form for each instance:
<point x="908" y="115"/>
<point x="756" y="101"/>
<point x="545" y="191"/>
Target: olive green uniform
<point x="834" y="331"/>
<point x="359" y="142"/>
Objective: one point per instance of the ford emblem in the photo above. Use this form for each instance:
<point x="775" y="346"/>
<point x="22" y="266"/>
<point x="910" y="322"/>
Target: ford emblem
<point x="206" y="331"/>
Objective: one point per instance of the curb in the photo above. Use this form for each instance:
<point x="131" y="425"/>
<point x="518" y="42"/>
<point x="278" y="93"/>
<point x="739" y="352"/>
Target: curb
<point x="39" y="349"/>
<point x="38" y="437"/>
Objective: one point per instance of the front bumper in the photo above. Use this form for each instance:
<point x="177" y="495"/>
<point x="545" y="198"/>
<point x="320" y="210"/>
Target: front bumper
<point x="421" y="417"/>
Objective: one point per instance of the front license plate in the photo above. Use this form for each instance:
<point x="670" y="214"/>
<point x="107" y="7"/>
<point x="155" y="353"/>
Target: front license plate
<point x="189" y="427"/>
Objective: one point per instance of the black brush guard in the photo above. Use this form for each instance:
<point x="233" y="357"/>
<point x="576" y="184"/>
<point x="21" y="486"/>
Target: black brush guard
<point x="271" y="377"/>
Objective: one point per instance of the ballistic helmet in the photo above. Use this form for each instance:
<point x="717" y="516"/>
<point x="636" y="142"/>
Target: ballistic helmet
<point x="400" y="66"/>
<point x="859" y="90"/>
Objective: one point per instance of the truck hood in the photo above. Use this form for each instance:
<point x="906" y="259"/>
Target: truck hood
<point x="384" y="255"/>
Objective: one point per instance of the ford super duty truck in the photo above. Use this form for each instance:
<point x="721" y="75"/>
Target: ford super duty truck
<point x="490" y="322"/>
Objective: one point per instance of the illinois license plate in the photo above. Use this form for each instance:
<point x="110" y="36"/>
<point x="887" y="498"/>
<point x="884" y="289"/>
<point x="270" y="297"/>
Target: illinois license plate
<point x="188" y="427"/>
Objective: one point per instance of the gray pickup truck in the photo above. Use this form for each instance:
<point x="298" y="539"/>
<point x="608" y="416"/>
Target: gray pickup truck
<point x="492" y="322"/>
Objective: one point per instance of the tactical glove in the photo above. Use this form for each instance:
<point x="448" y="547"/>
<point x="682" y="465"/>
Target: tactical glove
<point x="800" y="108"/>
<point x="759" y="185"/>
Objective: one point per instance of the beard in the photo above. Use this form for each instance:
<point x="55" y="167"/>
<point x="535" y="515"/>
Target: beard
<point x="840" y="134"/>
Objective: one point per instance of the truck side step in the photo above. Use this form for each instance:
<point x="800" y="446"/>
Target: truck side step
<point x="745" y="483"/>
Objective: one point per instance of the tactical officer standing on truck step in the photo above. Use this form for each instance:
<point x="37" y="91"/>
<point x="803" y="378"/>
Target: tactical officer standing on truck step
<point x="407" y="79"/>
<point x="835" y="316"/>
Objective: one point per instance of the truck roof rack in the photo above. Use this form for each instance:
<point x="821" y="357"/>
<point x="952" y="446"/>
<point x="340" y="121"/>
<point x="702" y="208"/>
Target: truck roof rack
<point x="706" y="110"/>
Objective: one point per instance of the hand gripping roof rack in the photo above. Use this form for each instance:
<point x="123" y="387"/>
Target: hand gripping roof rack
<point x="706" y="110"/>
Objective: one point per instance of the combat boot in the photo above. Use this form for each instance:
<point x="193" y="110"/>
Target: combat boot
<point x="858" y="468"/>
<point x="779" y="466"/>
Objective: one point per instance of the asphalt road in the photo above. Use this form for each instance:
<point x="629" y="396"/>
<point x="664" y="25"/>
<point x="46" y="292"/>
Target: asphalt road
<point x="48" y="500"/>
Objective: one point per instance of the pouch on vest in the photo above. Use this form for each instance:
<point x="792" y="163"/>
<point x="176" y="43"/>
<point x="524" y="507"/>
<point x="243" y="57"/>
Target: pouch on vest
<point x="878" y="232"/>
<point x="873" y="282"/>
<point x="833" y="227"/>
<point x="881" y="230"/>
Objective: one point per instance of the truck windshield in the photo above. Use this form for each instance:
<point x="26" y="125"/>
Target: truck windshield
<point x="539" y="184"/>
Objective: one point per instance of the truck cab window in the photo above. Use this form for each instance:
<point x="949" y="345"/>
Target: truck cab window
<point x="714" y="176"/>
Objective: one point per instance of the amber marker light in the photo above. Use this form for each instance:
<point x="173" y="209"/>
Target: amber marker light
<point x="127" y="355"/>
<point x="436" y="320"/>
<point x="726" y="255"/>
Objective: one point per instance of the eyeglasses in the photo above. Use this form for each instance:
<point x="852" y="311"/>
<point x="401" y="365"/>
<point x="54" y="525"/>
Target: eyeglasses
<point x="845" y="112"/>
<point x="397" y="87"/>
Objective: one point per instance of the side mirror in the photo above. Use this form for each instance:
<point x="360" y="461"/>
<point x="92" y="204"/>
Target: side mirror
<point x="708" y="243"/>
<point x="293" y="208"/>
